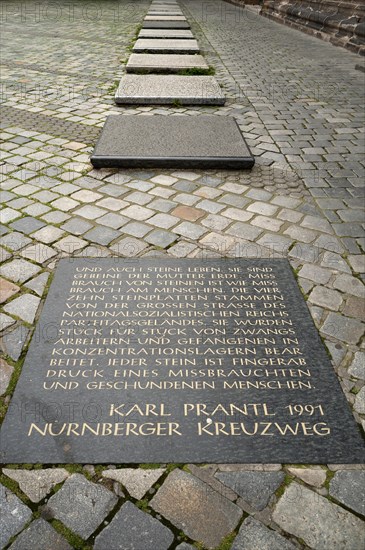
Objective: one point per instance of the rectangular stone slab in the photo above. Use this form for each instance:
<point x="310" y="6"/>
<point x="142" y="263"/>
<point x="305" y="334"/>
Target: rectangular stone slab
<point x="165" y="25"/>
<point x="165" y="18"/>
<point x="168" y="89"/>
<point x="171" y="142"/>
<point x="151" y="360"/>
<point x="165" y="33"/>
<point x="164" y="12"/>
<point x="165" y="46"/>
<point x="170" y="63"/>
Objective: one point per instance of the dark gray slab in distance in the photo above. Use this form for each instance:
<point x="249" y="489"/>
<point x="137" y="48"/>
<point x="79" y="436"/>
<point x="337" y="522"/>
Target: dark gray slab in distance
<point x="150" y="360"/>
<point x="165" y="33"/>
<point x="166" y="45"/>
<point x="169" y="89"/>
<point x="164" y="63"/>
<point x="165" y="25"/>
<point x="175" y="141"/>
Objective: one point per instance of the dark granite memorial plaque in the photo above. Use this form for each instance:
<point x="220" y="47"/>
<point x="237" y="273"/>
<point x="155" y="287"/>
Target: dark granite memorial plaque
<point x="177" y="361"/>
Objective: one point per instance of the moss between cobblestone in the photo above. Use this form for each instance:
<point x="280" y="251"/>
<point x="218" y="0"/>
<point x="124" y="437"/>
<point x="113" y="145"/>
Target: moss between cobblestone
<point x="287" y="481"/>
<point x="76" y="542"/>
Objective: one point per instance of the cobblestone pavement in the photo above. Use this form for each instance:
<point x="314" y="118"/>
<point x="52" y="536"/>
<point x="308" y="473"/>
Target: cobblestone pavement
<point x="299" y="103"/>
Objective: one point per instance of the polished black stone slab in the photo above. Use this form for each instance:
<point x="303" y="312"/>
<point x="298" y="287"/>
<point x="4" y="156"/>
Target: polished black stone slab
<point x="174" y="141"/>
<point x="151" y="360"/>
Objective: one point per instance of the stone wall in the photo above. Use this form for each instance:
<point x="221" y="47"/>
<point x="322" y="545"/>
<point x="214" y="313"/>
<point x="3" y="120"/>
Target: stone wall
<point x="340" y="22"/>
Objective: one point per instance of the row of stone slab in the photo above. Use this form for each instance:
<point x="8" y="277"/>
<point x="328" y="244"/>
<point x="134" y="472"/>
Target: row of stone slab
<point x="167" y="50"/>
<point x="176" y="141"/>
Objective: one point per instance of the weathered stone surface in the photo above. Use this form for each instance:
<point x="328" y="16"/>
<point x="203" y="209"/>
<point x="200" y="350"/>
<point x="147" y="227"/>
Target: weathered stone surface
<point x="36" y="484"/>
<point x="165" y="25"/>
<point x="315" y="477"/>
<point x="81" y="505"/>
<point x="40" y="535"/>
<point x="204" y="142"/>
<point x="164" y="63"/>
<point x="165" y="33"/>
<point x="132" y="529"/>
<point x="185" y="546"/>
<point x="194" y="507"/>
<point x="155" y="45"/>
<point x="343" y="328"/>
<point x="6" y="372"/>
<point x="255" y="488"/>
<point x="319" y="522"/>
<point x="253" y="535"/>
<point x="19" y="270"/>
<point x="24" y="307"/>
<point x="13" y="515"/>
<point x="136" y="481"/>
<point x="348" y="487"/>
<point x="168" y="89"/>
<point x="38" y="283"/>
<point x="357" y="367"/>
<point x="12" y="343"/>
<point x="159" y="18"/>
<point x="359" y="405"/>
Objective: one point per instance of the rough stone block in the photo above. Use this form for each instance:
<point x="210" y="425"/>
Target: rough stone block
<point x="162" y="63"/>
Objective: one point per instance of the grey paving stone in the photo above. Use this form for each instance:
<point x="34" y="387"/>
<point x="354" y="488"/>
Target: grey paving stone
<point x="182" y="249"/>
<point x="350" y="285"/>
<point x="359" y="404"/>
<point x="41" y="535"/>
<point x="357" y="367"/>
<point x="15" y="241"/>
<point x="48" y="234"/>
<point x="343" y="328"/>
<point x="6" y="372"/>
<point x="132" y="529"/>
<point x="255" y="488"/>
<point x="319" y="522"/>
<point x="70" y="244"/>
<point x="334" y="261"/>
<point x="81" y="505"/>
<point x="165" y="25"/>
<point x="326" y="298"/>
<point x="136" y="229"/>
<point x="161" y="238"/>
<point x="25" y="307"/>
<point x="128" y="247"/>
<point x="311" y="476"/>
<point x="244" y="231"/>
<point x="165" y="221"/>
<point x="185" y="546"/>
<point x="13" y="342"/>
<point x="76" y="226"/>
<point x="165" y="33"/>
<point x="348" y="487"/>
<point x="191" y="505"/>
<point x="38" y="252"/>
<point x="113" y="220"/>
<point x="27" y="225"/>
<point x="128" y="141"/>
<point x="253" y="535"/>
<point x="357" y="263"/>
<point x="5" y="321"/>
<point x="163" y="63"/>
<point x="137" y="481"/>
<point x="159" y="18"/>
<point x="13" y="515"/>
<point x="315" y="273"/>
<point x="190" y="230"/>
<point x="38" y="283"/>
<point x="36" y="484"/>
<point x="166" y="45"/>
<point x="19" y="270"/>
<point x="169" y="89"/>
<point x="102" y="235"/>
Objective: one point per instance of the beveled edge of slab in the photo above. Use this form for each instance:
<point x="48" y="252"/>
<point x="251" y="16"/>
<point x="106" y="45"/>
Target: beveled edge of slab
<point x="165" y="25"/>
<point x="200" y="65"/>
<point x="161" y="49"/>
<point x="135" y="97"/>
<point x="162" y="36"/>
<point x="246" y="161"/>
